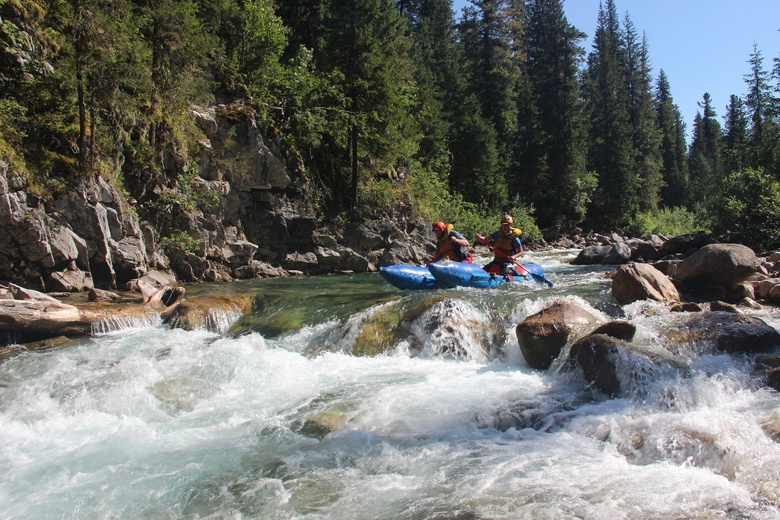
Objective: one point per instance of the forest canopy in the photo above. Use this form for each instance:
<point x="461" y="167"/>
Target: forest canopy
<point x="384" y="101"/>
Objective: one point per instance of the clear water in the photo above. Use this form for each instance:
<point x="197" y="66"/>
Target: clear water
<point x="279" y="418"/>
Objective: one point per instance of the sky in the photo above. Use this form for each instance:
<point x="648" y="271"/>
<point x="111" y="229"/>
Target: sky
<point x="703" y="46"/>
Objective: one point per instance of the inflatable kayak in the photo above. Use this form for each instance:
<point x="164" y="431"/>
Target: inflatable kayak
<point x="410" y="277"/>
<point x="457" y="274"/>
<point x="454" y="274"/>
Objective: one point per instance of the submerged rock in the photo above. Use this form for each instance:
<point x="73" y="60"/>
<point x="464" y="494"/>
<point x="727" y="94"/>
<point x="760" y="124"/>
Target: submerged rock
<point x="213" y="313"/>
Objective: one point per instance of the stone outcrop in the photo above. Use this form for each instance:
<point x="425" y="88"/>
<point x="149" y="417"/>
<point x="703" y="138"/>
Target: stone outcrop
<point x="642" y="282"/>
<point x="244" y="214"/>
<point x="728" y="332"/>
<point x="543" y="335"/>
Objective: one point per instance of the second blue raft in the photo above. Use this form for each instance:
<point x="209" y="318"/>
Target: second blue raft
<point x="453" y="274"/>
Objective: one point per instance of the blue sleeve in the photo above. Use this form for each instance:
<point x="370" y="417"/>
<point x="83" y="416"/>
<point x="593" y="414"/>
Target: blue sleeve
<point x="517" y="244"/>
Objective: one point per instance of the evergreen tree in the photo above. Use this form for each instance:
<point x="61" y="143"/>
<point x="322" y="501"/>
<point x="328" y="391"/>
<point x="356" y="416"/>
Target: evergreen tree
<point x="610" y="136"/>
<point x="646" y="136"/>
<point x="488" y="33"/>
<point x="102" y="66"/>
<point x="27" y="51"/>
<point x="438" y="79"/>
<point x="705" y="164"/>
<point x="550" y="168"/>
<point x="763" y="132"/>
<point x="180" y="52"/>
<point x="675" y="190"/>
<point x="735" y="142"/>
<point x="307" y="21"/>
<point x="368" y="44"/>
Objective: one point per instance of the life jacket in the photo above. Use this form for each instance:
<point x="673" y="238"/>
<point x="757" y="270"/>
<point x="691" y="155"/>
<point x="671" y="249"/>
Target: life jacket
<point x="445" y="249"/>
<point x="502" y="246"/>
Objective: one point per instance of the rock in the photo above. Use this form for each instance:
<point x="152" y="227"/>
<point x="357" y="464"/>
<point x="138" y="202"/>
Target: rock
<point x="591" y="255"/>
<point x="718" y="264"/>
<point x="635" y="282"/>
<point x="595" y="355"/>
<point x="644" y="250"/>
<point x="686" y="243"/>
<point x="72" y="280"/>
<point x="687" y="307"/>
<point x="728" y="332"/>
<point x="99" y="295"/>
<point x="543" y="335"/>
<point x="213" y="313"/>
<point x="618" y="329"/>
<point x="773" y="379"/>
<point x="723" y="306"/>
<point x="602" y="360"/>
<point x="619" y="253"/>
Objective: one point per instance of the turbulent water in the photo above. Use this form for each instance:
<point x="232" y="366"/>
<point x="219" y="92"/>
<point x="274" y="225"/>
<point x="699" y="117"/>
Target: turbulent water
<point x="278" y="417"/>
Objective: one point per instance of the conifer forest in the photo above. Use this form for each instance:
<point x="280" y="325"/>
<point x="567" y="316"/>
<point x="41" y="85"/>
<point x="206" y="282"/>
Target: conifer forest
<point x="388" y="102"/>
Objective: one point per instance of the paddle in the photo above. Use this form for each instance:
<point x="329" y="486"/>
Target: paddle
<point x="522" y="270"/>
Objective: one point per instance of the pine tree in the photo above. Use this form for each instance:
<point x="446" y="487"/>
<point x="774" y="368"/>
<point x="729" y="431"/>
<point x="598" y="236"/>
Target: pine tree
<point x="368" y="44"/>
<point x="610" y="136"/>
<point x="763" y="132"/>
<point x="705" y="164"/>
<point x="646" y="137"/>
<point x="674" y="170"/>
<point x="735" y="140"/>
<point x="180" y="51"/>
<point x="307" y="21"/>
<point x="488" y="33"/>
<point x="550" y="167"/>
<point x="439" y="81"/>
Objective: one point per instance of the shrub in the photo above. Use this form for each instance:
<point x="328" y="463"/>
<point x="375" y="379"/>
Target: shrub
<point x="749" y="210"/>
<point x="181" y="239"/>
<point x="667" y="221"/>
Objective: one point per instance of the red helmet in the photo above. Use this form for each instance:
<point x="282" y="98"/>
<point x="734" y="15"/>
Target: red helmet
<point x="441" y="226"/>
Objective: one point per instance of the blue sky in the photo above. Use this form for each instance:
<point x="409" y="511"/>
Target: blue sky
<point x="702" y="45"/>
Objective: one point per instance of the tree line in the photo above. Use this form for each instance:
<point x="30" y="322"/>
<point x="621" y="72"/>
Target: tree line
<point x="394" y="101"/>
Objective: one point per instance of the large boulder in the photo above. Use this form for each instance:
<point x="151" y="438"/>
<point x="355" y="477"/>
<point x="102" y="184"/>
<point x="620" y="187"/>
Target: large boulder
<point x="634" y="282"/>
<point x="728" y="332"/>
<point x="718" y="264"/>
<point x="543" y="335"/>
<point x="686" y="244"/>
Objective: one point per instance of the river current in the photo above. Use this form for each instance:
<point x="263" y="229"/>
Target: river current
<point x="313" y="407"/>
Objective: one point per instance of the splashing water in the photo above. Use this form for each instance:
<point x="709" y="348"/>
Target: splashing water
<point x="342" y="397"/>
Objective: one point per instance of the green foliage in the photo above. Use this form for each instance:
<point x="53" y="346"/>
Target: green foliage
<point x="182" y="240"/>
<point x="260" y="45"/>
<point x="376" y="197"/>
<point x="667" y="221"/>
<point x="433" y="201"/>
<point x="11" y="133"/>
<point x="454" y="118"/>
<point x="749" y="210"/>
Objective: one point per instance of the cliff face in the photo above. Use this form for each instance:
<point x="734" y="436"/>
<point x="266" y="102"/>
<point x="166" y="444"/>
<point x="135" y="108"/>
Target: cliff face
<point x="250" y="218"/>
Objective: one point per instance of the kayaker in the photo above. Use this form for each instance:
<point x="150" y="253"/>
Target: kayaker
<point x="506" y="246"/>
<point x="450" y="244"/>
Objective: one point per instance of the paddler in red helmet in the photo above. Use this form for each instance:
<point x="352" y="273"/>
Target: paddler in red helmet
<point x="450" y="244"/>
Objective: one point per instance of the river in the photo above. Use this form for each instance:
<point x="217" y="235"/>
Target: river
<point x="277" y="418"/>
